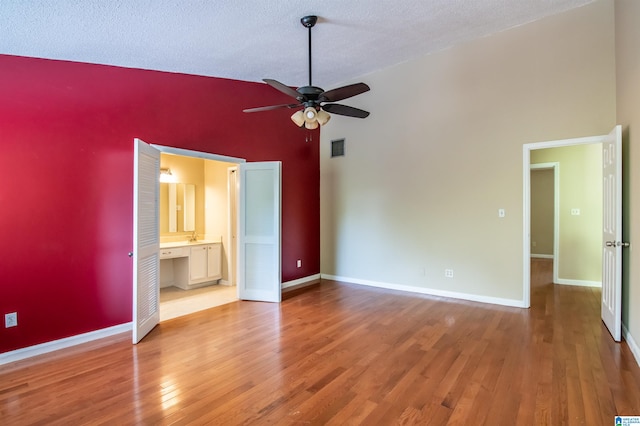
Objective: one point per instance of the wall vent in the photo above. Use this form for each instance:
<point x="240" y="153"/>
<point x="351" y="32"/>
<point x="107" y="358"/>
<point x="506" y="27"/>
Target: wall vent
<point x="337" y="148"/>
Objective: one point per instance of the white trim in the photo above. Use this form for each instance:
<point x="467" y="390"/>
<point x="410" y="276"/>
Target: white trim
<point x="526" y="226"/>
<point x="566" y="142"/>
<point x="67" y="342"/>
<point x="232" y="207"/>
<point x="299" y="281"/>
<point x="582" y="283"/>
<point x="541" y="256"/>
<point x="633" y="346"/>
<point x="429" y="291"/>
<point x="526" y="202"/>
<point x="197" y="154"/>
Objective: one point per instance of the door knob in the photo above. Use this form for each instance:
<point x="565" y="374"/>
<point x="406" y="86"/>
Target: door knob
<point x="130" y="254"/>
<point x="610" y="244"/>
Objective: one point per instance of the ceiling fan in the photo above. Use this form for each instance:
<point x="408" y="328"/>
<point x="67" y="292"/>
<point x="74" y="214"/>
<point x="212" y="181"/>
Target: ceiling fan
<point x="314" y="99"/>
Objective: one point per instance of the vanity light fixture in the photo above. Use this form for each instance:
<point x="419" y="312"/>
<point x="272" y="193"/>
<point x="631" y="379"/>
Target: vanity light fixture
<point x="166" y="175"/>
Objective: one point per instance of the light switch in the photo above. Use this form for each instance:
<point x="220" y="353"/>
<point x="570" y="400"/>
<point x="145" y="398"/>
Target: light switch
<point x="501" y="213"/>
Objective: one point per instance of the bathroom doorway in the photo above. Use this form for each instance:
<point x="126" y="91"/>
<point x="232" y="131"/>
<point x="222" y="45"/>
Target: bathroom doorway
<point x="215" y="209"/>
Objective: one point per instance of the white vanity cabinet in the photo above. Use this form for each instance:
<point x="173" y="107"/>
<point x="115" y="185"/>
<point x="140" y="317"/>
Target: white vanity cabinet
<point x="214" y="261"/>
<point x="195" y="265"/>
<point x="198" y="264"/>
<point x="205" y="263"/>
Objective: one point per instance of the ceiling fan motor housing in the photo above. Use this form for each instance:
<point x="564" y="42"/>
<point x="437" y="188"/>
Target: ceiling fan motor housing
<point x="310" y="94"/>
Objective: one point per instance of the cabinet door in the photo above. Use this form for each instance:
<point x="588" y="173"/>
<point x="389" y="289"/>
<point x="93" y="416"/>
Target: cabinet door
<point x="214" y="261"/>
<point x="198" y="264"/>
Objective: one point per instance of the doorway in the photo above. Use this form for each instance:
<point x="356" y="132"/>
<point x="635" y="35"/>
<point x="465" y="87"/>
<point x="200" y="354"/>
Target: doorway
<point x="545" y="212"/>
<point x="215" y="208"/>
<point x="259" y="235"/>
<point x="572" y="214"/>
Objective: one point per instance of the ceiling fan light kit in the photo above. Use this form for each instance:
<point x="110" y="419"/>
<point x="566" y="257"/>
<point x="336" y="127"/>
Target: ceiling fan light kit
<point x="298" y="118"/>
<point x="316" y="103"/>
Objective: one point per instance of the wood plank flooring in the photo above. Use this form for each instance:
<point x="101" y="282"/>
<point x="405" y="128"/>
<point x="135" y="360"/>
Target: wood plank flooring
<point x="344" y="354"/>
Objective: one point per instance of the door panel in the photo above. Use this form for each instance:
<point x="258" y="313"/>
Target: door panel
<point x="612" y="233"/>
<point x="259" y="259"/>
<point x="146" y="239"/>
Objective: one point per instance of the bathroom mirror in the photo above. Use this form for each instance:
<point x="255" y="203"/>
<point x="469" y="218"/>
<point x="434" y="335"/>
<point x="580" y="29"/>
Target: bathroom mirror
<point x="177" y="207"/>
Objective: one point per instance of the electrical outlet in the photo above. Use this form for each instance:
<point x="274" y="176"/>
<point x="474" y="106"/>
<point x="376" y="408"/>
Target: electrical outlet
<point x="448" y="273"/>
<point x="575" y="212"/>
<point x="533" y="243"/>
<point x="11" y="320"/>
<point x="299" y="263"/>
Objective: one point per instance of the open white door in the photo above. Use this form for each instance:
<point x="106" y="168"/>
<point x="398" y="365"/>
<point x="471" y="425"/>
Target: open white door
<point x="612" y="232"/>
<point x="259" y="264"/>
<point x="146" y="239"/>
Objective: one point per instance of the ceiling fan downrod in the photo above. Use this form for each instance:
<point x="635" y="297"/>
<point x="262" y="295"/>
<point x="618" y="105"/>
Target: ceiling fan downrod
<point x="309" y="22"/>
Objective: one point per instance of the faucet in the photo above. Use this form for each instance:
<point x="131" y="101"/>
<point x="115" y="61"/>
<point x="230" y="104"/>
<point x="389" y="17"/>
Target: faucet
<point x="193" y="237"/>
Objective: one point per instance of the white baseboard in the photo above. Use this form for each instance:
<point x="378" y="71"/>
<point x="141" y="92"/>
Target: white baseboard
<point x="582" y="283"/>
<point x="635" y="350"/>
<point x="542" y="256"/>
<point x="430" y="291"/>
<point x="302" y="280"/>
<point x="43" y="348"/>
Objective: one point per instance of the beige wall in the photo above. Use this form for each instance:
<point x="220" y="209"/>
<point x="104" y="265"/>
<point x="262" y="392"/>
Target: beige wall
<point x="424" y="176"/>
<point x="217" y="208"/>
<point x="542" y="212"/>
<point x="580" y="236"/>
<point x="627" y="15"/>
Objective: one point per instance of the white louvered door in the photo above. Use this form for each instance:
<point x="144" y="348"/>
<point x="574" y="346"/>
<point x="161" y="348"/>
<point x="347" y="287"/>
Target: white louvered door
<point x="146" y="239"/>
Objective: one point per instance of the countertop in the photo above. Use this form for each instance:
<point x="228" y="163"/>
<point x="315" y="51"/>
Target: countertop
<point x="187" y="243"/>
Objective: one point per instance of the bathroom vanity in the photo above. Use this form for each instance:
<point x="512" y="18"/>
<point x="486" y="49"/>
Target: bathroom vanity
<point x="190" y="265"/>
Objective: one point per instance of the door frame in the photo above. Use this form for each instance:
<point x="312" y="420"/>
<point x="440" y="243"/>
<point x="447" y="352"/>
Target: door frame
<point x="555" y="166"/>
<point x="526" y="211"/>
<point x="232" y="225"/>
<point x="205" y="156"/>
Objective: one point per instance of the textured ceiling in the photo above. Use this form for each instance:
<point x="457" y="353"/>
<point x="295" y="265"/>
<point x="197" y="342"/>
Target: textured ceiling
<point x="255" y="39"/>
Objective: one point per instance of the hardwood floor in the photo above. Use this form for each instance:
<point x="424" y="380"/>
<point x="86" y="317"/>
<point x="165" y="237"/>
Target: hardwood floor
<point x="344" y="354"/>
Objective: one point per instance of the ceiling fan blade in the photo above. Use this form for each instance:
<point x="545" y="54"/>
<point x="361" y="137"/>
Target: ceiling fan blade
<point x="345" y="110"/>
<point x="284" y="89"/>
<point x="344" y="92"/>
<point x="268" y="108"/>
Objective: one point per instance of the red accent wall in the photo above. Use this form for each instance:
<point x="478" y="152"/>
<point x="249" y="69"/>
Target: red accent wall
<point x="66" y="181"/>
